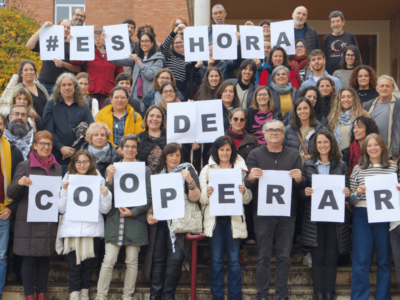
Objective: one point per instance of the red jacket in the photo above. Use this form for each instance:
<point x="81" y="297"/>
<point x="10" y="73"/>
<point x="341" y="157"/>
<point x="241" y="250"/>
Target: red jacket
<point x="101" y="72"/>
<point x="264" y="77"/>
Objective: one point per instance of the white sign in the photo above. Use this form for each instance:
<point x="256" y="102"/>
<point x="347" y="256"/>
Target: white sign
<point x="226" y="200"/>
<point x="382" y="198"/>
<point x="168" y="196"/>
<point x="83" y="198"/>
<point x="328" y="200"/>
<point x="130" y="184"/>
<point x="252" y="42"/>
<point x="44" y="194"/>
<point x="82" y="43"/>
<point x="274" y="193"/>
<point x="196" y="43"/>
<point x="224" y="42"/>
<point x="51" y="42"/>
<point x="200" y="121"/>
<point x="282" y="34"/>
<point x="117" y="42"/>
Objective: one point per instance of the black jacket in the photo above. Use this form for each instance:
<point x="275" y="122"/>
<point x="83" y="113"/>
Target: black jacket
<point x="309" y="229"/>
<point x="288" y="160"/>
<point x="147" y="144"/>
<point x="292" y="140"/>
<point x="311" y="37"/>
<point x="251" y="112"/>
<point x="112" y="157"/>
<point x="251" y="90"/>
<point x="294" y="93"/>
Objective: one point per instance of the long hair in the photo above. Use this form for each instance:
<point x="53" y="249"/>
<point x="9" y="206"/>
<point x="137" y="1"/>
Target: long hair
<point x="370" y="126"/>
<point x="356" y="108"/>
<point x="365" y="161"/>
<point x="205" y="88"/>
<point x="21" y="65"/>
<point x="158" y="107"/>
<point x="353" y="80"/>
<point x="357" y="61"/>
<point x="254" y="103"/>
<point x="222" y="141"/>
<point x="168" y="149"/>
<point x="92" y="166"/>
<point x="221" y="89"/>
<point x="296" y="122"/>
<point x="319" y="106"/>
<point x="332" y="96"/>
<point x="153" y="49"/>
<point x="285" y="56"/>
<point x="334" y="153"/>
<point x="78" y="96"/>
<point x="155" y="86"/>
<point x="24" y="91"/>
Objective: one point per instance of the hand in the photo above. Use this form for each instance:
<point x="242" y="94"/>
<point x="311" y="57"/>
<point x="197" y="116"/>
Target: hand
<point x="308" y="191"/>
<point x="348" y="206"/>
<point x="257" y="62"/>
<point x="180" y="26"/>
<point x="296" y="175"/>
<point x="110" y="172"/>
<point x="58" y="63"/>
<point x="306" y="157"/>
<point x="361" y="190"/>
<point x="242" y="189"/>
<point x="210" y="190"/>
<point x="151" y="220"/>
<point x="67" y="151"/>
<point x="65" y="186"/>
<point x="103" y="35"/>
<point x="392" y="162"/>
<point x="104" y="190"/>
<point x="186" y="175"/>
<point x="255" y="173"/>
<point x="125" y="212"/>
<point x="24" y="181"/>
<point x="119" y="151"/>
<point x="199" y="64"/>
<point x="346" y="192"/>
<point x="250" y="23"/>
<point x="211" y="62"/>
<point x="195" y="146"/>
<point x="5" y="214"/>
<point x="68" y="38"/>
<point x="134" y="57"/>
<point x="398" y="187"/>
<point x="238" y="36"/>
<point x="48" y="24"/>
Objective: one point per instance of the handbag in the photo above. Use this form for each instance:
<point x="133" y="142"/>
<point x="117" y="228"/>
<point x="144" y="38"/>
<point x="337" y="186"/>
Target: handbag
<point x="192" y="222"/>
<point x="139" y="86"/>
<point x="302" y="143"/>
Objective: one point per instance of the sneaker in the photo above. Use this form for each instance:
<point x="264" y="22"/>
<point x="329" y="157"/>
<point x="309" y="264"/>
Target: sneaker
<point x="307" y="260"/>
<point x="84" y="294"/>
<point x="74" y="296"/>
<point x="250" y="242"/>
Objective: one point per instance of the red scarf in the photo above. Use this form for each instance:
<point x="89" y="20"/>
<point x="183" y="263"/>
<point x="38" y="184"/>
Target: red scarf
<point x="355" y="153"/>
<point x="298" y="63"/>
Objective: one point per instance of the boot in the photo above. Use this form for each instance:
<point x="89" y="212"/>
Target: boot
<point x="155" y="298"/>
<point x="170" y="284"/>
<point x="329" y="296"/>
<point x="157" y="283"/>
<point x="85" y="294"/>
<point x="74" y="296"/>
<point x="30" y="297"/>
<point x="320" y="296"/>
<point x="41" y="296"/>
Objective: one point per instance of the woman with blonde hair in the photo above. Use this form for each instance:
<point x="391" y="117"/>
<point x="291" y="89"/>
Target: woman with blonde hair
<point x="344" y="110"/>
<point x="23" y="96"/>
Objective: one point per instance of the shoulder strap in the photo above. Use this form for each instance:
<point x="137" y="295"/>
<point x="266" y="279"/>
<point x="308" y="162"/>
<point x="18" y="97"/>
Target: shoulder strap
<point x="134" y="116"/>
<point x="302" y="143"/>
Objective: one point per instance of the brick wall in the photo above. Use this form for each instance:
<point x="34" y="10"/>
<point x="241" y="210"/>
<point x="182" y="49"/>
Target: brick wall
<point x="395" y="47"/>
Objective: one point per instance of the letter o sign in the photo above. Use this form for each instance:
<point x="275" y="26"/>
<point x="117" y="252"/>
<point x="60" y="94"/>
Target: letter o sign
<point x="89" y="198"/>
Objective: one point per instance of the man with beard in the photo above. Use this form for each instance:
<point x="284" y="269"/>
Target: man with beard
<point x="333" y="44"/>
<point x="10" y="156"/>
<point x="78" y="17"/>
<point x="302" y="31"/>
<point x="19" y="132"/>
<point x="134" y="44"/>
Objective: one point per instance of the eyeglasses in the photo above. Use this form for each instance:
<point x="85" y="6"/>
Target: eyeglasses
<point x="82" y="163"/>
<point x="97" y="36"/>
<point x="236" y="119"/>
<point x="300" y="47"/>
<point x="177" y="24"/>
<point x="262" y="95"/>
<point x="127" y="147"/>
<point x="164" y="78"/>
<point x="17" y="114"/>
<point x="145" y="41"/>
<point x="178" y="43"/>
<point x="168" y="92"/>
<point x="350" y="55"/>
<point x="44" y="145"/>
<point x="274" y="131"/>
<point x="80" y="16"/>
<point x="145" y="30"/>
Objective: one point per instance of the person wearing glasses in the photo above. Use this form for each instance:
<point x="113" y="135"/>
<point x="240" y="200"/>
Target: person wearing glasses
<point x="299" y="62"/>
<point x="168" y="92"/>
<point x="351" y="59"/>
<point x="274" y="155"/>
<point x="78" y="17"/>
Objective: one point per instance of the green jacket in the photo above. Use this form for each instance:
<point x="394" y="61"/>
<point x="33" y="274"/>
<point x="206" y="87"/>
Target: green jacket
<point x="135" y="228"/>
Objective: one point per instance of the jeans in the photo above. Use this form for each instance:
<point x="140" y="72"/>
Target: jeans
<point x="131" y="260"/>
<point x="48" y="87"/>
<point x="324" y="258"/>
<point x="366" y="238"/>
<point x="31" y="264"/>
<point x="222" y="234"/>
<point x="395" y="241"/>
<point x="80" y="276"/>
<point x="4" y="234"/>
<point x="64" y="169"/>
<point x="268" y="229"/>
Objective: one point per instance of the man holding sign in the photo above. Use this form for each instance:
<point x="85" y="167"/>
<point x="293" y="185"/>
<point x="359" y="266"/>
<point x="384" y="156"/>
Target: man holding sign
<point x="274" y="156"/>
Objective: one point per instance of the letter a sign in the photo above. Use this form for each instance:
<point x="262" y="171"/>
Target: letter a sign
<point x="282" y="34"/>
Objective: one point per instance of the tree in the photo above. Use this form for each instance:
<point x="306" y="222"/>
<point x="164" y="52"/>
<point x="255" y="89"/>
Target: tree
<point x="16" y="27"/>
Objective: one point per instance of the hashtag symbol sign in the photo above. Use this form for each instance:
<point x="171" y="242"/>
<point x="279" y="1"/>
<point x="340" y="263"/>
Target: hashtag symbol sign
<point x="52" y="43"/>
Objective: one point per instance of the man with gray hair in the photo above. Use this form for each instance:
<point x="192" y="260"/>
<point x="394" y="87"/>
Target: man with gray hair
<point x="78" y="17"/>
<point x="18" y="131"/>
<point x="273" y="155"/>
<point x="218" y="14"/>
<point x="302" y="31"/>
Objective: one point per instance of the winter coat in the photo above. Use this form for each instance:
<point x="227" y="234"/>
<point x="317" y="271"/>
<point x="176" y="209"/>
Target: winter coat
<point x="31" y="238"/>
<point x="294" y="93"/>
<point x="251" y="112"/>
<point x="265" y="78"/>
<point x="239" y="230"/>
<point x="248" y="143"/>
<point x="147" y="144"/>
<point x="78" y="228"/>
<point x="250" y="91"/>
<point x="311" y="37"/>
<point x="309" y="229"/>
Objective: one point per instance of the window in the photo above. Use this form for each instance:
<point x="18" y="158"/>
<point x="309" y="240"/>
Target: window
<point x="2" y="3"/>
<point x="64" y="8"/>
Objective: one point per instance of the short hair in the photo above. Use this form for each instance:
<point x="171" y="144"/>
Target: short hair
<point x="386" y="77"/>
<point x="316" y="52"/>
<point x="168" y="83"/>
<point x="356" y="52"/>
<point x="268" y="22"/>
<point x="277" y="69"/>
<point x="273" y="121"/>
<point x="18" y="105"/>
<point x="334" y="153"/>
<point x="353" y="80"/>
<point x="21" y="65"/>
<point x="220" y="142"/>
<point x="180" y="18"/>
<point x="278" y="48"/>
<point x="234" y="111"/>
<point x="119" y="88"/>
<point x="370" y="126"/>
<point x="73" y="12"/>
<point x="129" y="21"/>
<point x="92" y="165"/>
<point x="123" y="76"/>
<point x="155" y="86"/>
<point x="168" y="149"/>
<point x="83" y="75"/>
<point x="365" y="162"/>
<point x="146" y="115"/>
<point x="296" y="123"/>
<point x="95" y="126"/>
<point x="335" y="14"/>
<point x="254" y="103"/>
<point x="44" y="134"/>
<point x="130" y="137"/>
<point x="218" y="6"/>
<point x="244" y="64"/>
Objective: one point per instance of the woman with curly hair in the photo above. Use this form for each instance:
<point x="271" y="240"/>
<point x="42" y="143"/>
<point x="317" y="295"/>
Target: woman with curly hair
<point x="363" y="79"/>
<point x="344" y="110"/>
<point x="326" y="87"/>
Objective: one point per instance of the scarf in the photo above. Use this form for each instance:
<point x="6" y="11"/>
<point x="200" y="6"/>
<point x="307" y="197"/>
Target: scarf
<point x="243" y="86"/>
<point x="344" y="119"/>
<point x="297" y="64"/>
<point x="99" y="154"/>
<point x="6" y="165"/>
<point x="281" y="90"/>
<point x="355" y="153"/>
<point x="23" y="144"/>
<point x="236" y="137"/>
<point x="45" y="164"/>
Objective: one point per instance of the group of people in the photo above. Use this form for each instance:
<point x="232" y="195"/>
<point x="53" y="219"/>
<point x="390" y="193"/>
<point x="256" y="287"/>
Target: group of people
<point x="319" y="111"/>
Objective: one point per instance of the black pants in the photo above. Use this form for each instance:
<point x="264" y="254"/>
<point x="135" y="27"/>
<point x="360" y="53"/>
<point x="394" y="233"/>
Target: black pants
<point x="249" y="213"/>
<point x="324" y="257"/>
<point x="31" y="264"/>
<point x="80" y="276"/>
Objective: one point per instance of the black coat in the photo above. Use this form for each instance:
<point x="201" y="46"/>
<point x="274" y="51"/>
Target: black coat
<point x="309" y="229"/>
<point x="147" y="144"/>
<point x="112" y="157"/>
<point x="251" y="112"/>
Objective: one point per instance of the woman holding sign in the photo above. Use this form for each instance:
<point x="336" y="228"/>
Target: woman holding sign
<point x="34" y="241"/>
<point x="325" y="239"/>
<point x="80" y="239"/>
<point x="369" y="238"/>
<point x="224" y="230"/>
<point x="167" y="251"/>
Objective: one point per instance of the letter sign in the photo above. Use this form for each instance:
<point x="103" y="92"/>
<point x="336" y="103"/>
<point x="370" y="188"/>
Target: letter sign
<point x="196" y="41"/>
<point x="117" y="41"/>
<point x="82" y="43"/>
<point x="282" y="34"/>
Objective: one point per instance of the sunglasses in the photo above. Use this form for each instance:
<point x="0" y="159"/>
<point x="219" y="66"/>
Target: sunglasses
<point x="236" y="119"/>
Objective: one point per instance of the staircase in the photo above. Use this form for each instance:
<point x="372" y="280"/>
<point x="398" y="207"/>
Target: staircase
<point x="300" y="282"/>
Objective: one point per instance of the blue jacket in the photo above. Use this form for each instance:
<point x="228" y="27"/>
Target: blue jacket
<point x="261" y="68"/>
<point x="311" y="82"/>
